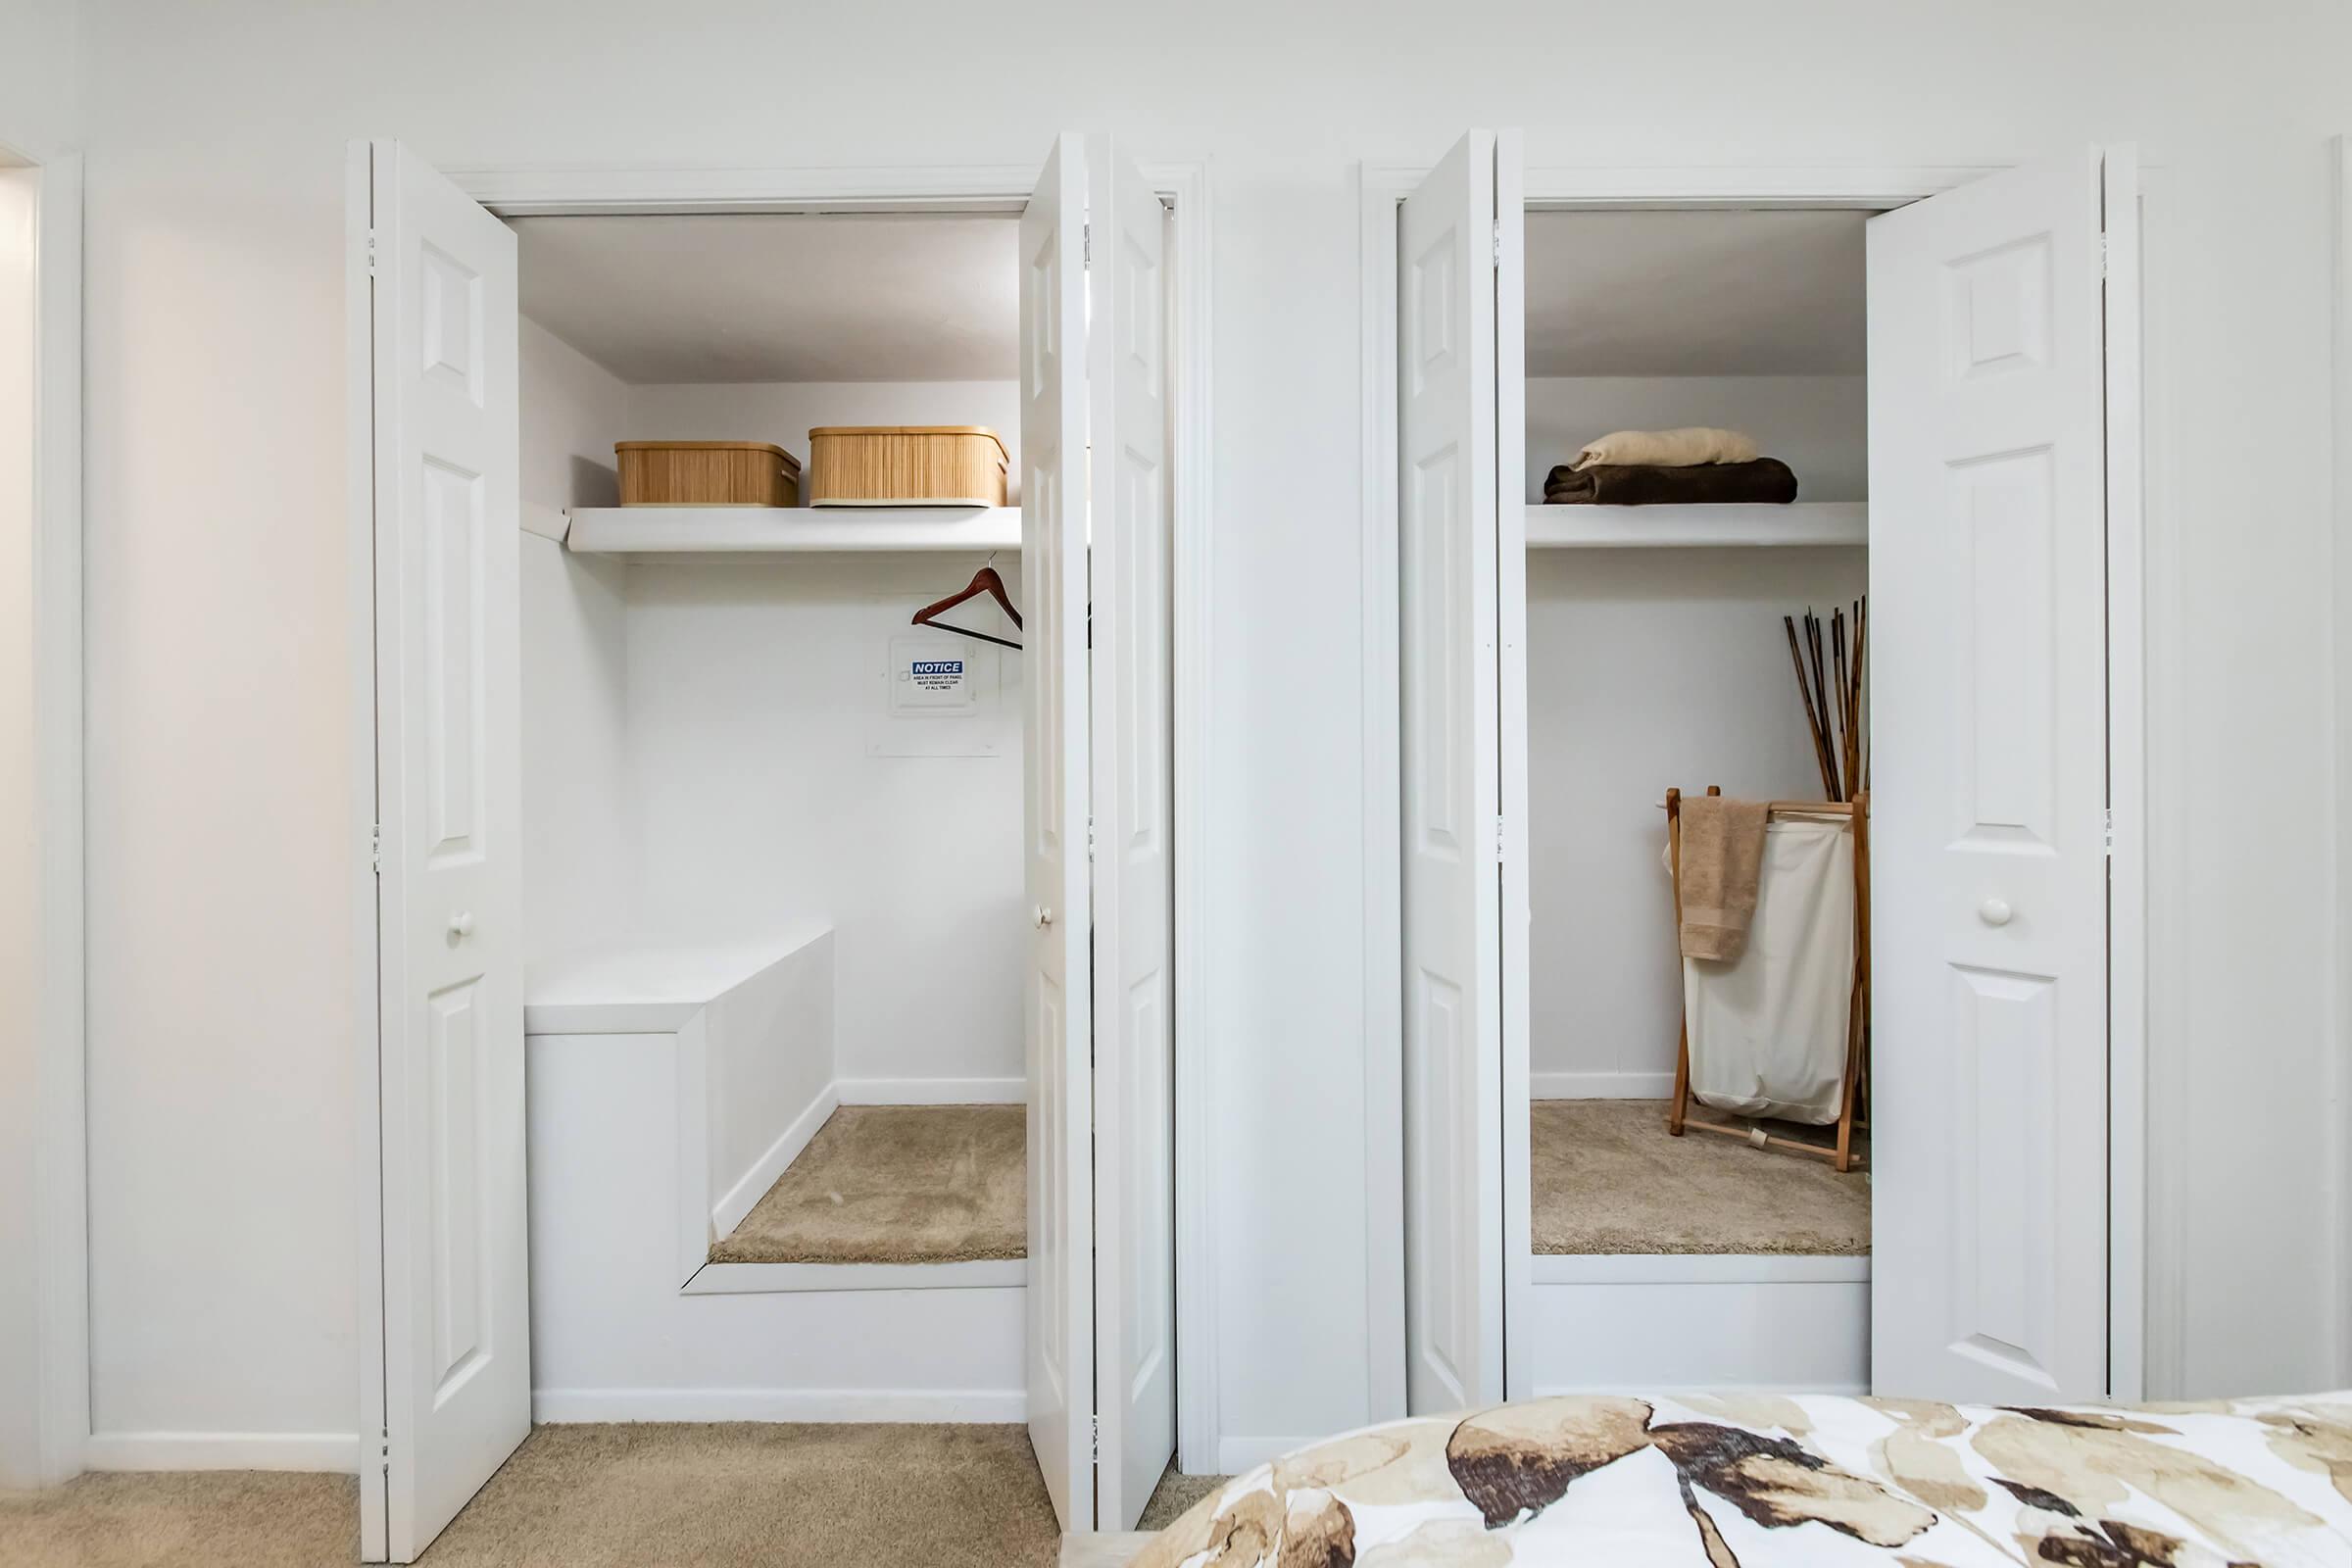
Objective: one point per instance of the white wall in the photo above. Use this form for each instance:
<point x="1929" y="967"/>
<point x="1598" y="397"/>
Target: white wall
<point x="221" y="862"/>
<point x="698" y="739"/>
<point x="784" y="413"/>
<point x="757" y="694"/>
<point x="40" y="76"/>
<point x="582" y="850"/>
<point x="1646" y="669"/>
<point x="1817" y="424"/>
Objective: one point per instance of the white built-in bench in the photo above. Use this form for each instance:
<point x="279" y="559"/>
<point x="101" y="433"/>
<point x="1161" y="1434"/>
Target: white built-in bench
<point x="669" y="1085"/>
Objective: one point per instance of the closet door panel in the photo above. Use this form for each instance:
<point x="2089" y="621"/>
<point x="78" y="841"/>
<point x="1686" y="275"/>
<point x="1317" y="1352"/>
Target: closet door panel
<point x="1988" y="389"/>
<point x="1448" y="535"/>
<point x="1059" y="1002"/>
<point x="446" y="434"/>
<point x="1135" y="1174"/>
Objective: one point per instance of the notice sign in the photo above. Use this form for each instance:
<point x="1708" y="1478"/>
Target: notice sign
<point x="937" y="674"/>
<point x="932" y="677"/>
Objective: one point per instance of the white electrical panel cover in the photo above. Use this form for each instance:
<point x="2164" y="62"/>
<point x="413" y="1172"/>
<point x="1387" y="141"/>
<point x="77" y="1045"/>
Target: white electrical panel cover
<point x="939" y="698"/>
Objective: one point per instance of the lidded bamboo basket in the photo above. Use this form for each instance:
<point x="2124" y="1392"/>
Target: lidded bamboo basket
<point x="907" y="466"/>
<point x="707" y="474"/>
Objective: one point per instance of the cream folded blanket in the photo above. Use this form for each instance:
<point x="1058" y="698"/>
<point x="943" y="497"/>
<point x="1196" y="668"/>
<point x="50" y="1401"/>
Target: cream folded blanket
<point x="1669" y="449"/>
<point x="1723" y="862"/>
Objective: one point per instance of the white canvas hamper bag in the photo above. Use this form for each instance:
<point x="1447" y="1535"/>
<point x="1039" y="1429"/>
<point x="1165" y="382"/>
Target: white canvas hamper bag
<point x="1768" y="1029"/>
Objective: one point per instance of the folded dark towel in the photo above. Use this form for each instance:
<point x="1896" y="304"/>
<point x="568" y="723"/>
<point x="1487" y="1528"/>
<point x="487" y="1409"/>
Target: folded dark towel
<point x="1625" y="485"/>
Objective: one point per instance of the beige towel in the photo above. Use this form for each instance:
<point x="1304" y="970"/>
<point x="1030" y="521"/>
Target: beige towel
<point x="1669" y="449"/>
<point x="1723" y="859"/>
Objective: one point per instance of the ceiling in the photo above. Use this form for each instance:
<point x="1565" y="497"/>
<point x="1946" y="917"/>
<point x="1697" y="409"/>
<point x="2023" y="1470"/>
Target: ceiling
<point x="779" y="298"/>
<point x="1699" y="293"/>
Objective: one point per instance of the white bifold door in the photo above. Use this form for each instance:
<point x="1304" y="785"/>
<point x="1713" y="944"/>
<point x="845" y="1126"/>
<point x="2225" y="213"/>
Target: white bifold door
<point x="1094" y="515"/>
<point x="446" y="1386"/>
<point x="2003" y="390"/>
<point x="1451" y="482"/>
<point x="2003" y="396"/>
<point x="434" y="300"/>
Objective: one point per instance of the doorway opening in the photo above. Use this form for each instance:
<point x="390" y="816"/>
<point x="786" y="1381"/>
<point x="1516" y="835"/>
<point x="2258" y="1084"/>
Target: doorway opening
<point x="800" y="885"/>
<point x="1677" y="1104"/>
<point x="1980" y="1066"/>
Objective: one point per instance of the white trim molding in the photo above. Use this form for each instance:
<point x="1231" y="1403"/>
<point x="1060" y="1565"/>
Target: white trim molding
<point x="1380" y="190"/>
<point x="1698" y="1268"/>
<point x="63" y="1158"/>
<point x="1600" y="1085"/>
<point x="563" y="1406"/>
<point x="45" y="1441"/>
<point x="1192" y="630"/>
<point x="932" y="1090"/>
<point x="2340" y="1118"/>
<point x="324" y="1452"/>
<point x="774" y="1279"/>
<point x="2138" y="1309"/>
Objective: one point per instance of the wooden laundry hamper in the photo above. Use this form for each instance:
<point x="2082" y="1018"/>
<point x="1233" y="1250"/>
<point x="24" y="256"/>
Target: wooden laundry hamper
<point x="906" y="465"/>
<point x="1857" y="1025"/>
<point x="707" y="474"/>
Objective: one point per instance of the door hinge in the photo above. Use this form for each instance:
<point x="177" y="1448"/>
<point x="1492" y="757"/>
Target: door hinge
<point x="1093" y="1438"/>
<point x="2102" y="255"/>
<point x="2107" y="831"/>
<point x="1498" y="839"/>
<point x="1090" y="839"/>
<point x="1086" y="245"/>
<point x="371" y="252"/>
<point x="376" y="848"/>
<point x="1498" y="242"/>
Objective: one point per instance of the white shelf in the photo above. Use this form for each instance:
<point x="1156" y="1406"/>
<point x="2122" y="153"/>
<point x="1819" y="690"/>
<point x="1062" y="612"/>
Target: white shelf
<point x="1800" y="523"/>
<point x="671" y="532"/>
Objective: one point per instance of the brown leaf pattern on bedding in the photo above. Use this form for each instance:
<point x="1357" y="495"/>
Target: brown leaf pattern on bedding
<point x="1768" y="1481"/>
<point x="1777" y="1484"/>
<point x="2323" y="1447"/>
<point x="2096" y="1468"/>
<point x="1521" y="1458"/>
<point x="1318" y="1531"/>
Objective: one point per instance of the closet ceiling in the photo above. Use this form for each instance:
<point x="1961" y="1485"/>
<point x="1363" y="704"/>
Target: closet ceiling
<point x="1707" y="293"/>
<point x="779" y="298"/>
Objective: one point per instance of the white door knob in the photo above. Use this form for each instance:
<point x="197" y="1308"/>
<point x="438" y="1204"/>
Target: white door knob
<point x="1045" y="917"/>
<point x="1995" y="912"/>
<point x="461" y="924"/>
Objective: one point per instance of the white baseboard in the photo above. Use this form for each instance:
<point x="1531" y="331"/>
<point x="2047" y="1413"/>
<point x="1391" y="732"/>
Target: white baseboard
<point x="560" y="1407"/>
<point x="761" y="1279"/>
<point x="1600" y="1085"/>
<point x="327" y="1452"/>
<point x="1696" y="1268"/>
<point x="740" y="1199"/>
<point x="1237" y="1454"/>
<point x="933" y="1091"/>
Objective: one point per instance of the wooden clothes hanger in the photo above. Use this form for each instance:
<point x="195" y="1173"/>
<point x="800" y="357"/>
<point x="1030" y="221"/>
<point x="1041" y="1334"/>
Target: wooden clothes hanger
<point x="984" y="581"/>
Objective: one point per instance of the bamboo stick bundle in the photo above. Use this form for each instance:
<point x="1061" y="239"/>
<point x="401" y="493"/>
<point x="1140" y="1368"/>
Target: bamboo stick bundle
<point x="1829" y="665"/>
<point x="1813" y="719"/>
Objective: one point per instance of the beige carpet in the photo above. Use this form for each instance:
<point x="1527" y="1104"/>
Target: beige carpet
<point x="595" y="1497"/>
<point x="1174" y="1495"/>
<point x="896" y="1183"/>
<point x="1608" y="1178"/>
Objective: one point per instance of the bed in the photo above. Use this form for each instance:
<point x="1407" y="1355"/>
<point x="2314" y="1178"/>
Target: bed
<point x="1754" y="1481"/>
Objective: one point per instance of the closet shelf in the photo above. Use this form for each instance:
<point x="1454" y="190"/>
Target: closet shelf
<point x="673" y="532"/>
<point x="1800" y="523"/>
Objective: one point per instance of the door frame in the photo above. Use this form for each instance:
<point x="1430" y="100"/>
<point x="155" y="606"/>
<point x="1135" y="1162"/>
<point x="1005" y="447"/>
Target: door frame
<point x="512" y="191"/>
<point x="2341" y="352"/>
<point x="1381" y="188"/>
<point x="54" y="1432"/>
